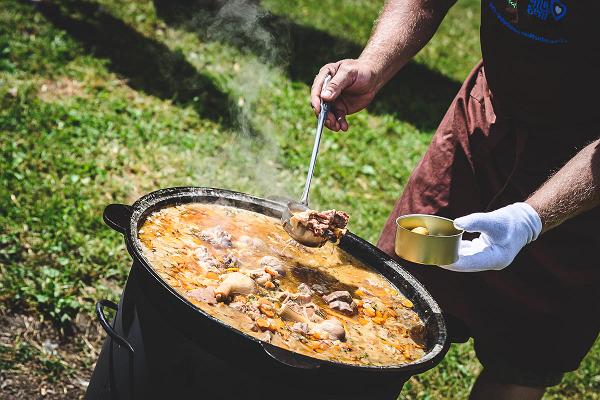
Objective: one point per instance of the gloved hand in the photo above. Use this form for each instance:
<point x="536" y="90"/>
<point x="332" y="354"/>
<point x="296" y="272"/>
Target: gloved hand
<point x="504" y="233"/>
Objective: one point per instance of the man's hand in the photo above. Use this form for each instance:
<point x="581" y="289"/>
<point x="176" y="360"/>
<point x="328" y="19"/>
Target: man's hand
<point x="504" y="233"/>
<point x="402" y="29"/>
<point x="352" y="87"/>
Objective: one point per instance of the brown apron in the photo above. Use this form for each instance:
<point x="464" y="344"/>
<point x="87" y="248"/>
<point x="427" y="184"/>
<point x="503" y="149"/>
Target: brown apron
<point x="542" y="312"/>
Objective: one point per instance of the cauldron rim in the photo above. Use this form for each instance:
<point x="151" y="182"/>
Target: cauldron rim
<point x="171" y="196"/>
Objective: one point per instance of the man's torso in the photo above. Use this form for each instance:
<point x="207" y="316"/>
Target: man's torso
<point x="542" y="59"/>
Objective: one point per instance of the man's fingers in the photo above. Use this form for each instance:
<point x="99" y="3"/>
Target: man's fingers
<point x="340" y="111"/>
<point x="317" y="86"/>
<point x="332" y="122"/>
<point x="478" y="255"/>
<point x="477" y="222"/>
<point x="482" y="260"/>
<point x="343" y="123"/>
<point x="344" y="77"/>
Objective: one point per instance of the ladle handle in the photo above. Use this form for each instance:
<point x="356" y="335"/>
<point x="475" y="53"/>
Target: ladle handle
<point x="325" y="107"/>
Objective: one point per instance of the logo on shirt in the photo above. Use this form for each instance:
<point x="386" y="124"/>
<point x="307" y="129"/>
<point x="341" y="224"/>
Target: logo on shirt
<point x="546" y="12"/>
<point x="543" y="9"/>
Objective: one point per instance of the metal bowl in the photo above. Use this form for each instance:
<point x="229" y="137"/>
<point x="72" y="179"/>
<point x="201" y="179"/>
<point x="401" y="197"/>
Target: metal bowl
<point x="439" y="247"/>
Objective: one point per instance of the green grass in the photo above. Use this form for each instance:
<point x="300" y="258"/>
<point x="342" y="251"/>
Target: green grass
<point x="162" y="100"/>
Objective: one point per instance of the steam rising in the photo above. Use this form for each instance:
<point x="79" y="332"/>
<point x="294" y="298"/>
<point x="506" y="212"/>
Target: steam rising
<point x="248" y="162"/>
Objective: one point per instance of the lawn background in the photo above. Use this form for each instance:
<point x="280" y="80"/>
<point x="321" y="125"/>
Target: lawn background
<point x="105" y="101"/>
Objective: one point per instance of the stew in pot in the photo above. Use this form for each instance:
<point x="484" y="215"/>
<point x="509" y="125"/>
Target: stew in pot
<point x="242" y="268"/>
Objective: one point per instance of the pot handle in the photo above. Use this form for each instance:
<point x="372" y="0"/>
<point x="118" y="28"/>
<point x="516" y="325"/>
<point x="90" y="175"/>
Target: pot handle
<point x="290" y="358"/>
<point x="121" y="341"/>
<point x="117" y="216"/>
<point x="106" y="325"/>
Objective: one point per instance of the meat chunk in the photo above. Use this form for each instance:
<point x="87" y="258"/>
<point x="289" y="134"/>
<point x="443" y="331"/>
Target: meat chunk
<point x="310" y="311"/>
<point x="272" y="265"/>
<point x="342" y="295"/>
<point x="320" y="289"/>
<point x="250" y="309"/>
<point x="217" y="236"/>
<point x="290" y="312"/>
<point x="300" y="327"/>
<point x="342" y="306"/>
<point x="329" y="329"/>
<point x="250" y="243"/>
<point x="231" y="261"/>
<point x="302" y="297"/>
<point x="260" y="276"/>
<point x="204" y="259"/>
<point x="342" y="301"/>
<point x="330" y="224"/>
<point x="205" y="295"/>
<point x="266" y="336"/>
<point x="303" y="288"/>
<point x="307" y="321"/>
<point x="234" y="283"/>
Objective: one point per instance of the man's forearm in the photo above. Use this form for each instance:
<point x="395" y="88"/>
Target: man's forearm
<point x="575" y="188"/>
<point x="403" y="28"/>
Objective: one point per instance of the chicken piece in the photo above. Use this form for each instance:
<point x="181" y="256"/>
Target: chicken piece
<point x="310" y="311"/>
<point x="251" y="310"/>
<point x="266" y="336"/>
<point x="231" y="261"/>
<point x="234" y="283"/>
<point x="260" y="276"/>
<point x="342" y="306"/>
<point x="250" y="242"/>
<point x="298" y="298"/>
<point x="300" y="327"/>
<point x="320" y="289"/>
<point x="205" y="260"/>
<point x="330" y="224"/>
<point x="303" y="288"/>
<point x="291" y="312"/>
<point x="341" y="295"/>
<point x="329" y="328"/>
<point x="303" y="296"/>
<point x="205" y="295"/>
<point x="342" y="301"/>
<point x="217" y="236"/>
<point x="311" y="324"/>
<point x="273" y="264"/>
<point x="282" y="296"/>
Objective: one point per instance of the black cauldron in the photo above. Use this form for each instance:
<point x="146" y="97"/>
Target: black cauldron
<point x="162" y="346"/>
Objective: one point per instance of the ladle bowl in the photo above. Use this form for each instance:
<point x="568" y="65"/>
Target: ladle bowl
<point x="298" y="232"/>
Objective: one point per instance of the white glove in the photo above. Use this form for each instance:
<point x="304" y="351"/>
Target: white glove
<point x="504" y="233"/>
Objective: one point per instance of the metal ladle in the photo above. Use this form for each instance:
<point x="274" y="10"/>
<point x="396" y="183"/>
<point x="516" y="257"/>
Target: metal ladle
<point x="299" y="233"/>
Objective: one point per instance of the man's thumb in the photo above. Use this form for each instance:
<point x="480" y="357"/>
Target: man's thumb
<point x="341" y="80"/>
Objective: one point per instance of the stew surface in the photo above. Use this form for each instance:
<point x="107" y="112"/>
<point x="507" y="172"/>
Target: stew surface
<point x="242" y="268"/>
